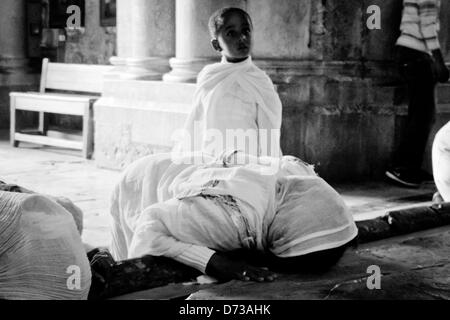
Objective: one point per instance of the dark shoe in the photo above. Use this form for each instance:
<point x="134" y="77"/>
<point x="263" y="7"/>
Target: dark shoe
<point x="405" y="177"/>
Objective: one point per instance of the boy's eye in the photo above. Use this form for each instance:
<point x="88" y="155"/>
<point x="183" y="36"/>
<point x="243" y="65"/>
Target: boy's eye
<point x="231" y="33"/>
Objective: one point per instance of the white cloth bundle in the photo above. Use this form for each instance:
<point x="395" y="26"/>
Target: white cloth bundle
<point x="76" y="212"/>
<point x="310" y="217"/>
<point x="41" y="253"/>
<point x="441" y="161"/>
<point x="235" y="107"/>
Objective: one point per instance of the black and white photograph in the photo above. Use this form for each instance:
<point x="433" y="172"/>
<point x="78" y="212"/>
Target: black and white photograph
<point x="225" y="150"/>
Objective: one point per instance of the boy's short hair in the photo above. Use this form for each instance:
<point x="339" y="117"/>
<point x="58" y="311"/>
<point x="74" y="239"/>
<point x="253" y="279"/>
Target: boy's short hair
<point x="217" y="19"/>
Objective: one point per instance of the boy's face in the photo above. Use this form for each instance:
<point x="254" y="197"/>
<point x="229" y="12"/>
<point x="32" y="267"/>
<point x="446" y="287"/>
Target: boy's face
<point x="235" y="38"/>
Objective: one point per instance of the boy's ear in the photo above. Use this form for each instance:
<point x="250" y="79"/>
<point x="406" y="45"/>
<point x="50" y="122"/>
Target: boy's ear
<point x="216" y="45"/>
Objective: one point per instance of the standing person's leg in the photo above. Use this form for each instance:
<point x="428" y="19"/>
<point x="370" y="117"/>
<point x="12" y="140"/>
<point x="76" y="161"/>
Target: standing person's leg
<point x="421" y="110"/>
<point x="416" y="68"/>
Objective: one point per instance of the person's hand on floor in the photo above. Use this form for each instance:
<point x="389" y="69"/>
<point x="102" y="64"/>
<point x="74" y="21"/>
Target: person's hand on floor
<point x="223" y="268"/>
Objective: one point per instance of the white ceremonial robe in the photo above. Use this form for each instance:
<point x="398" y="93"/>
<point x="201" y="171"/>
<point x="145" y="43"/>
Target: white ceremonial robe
<point x="235" y="107"/>
<point x="441" y="161"/>
<point x="187" y="212"/>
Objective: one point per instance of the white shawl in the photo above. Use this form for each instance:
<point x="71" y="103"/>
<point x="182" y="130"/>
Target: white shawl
<point x="441" y="161"/>
<point x="41" y="252"/>
<point x="214" y="81"/>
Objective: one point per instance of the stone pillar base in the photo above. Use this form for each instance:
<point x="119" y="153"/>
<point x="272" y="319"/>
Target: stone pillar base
<point x="119" y="64"/>
<point x="151" y="68"/>
<point x="186" y="70"/>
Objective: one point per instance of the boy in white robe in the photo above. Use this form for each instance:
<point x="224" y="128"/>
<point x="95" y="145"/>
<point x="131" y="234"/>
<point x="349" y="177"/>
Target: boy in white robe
<point x="197" y="213"/>
<point x="235" y="105"/>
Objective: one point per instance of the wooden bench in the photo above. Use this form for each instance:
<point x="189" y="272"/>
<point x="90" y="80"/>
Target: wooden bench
<point x="86" y="81"/>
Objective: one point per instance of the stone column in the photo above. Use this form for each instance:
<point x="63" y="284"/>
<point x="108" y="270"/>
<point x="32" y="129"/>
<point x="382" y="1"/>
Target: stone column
<point x="193" y="45"/>
<point x="12" y="34"/>
<point x="15" y="74"/>
<point x="145" y="38"/>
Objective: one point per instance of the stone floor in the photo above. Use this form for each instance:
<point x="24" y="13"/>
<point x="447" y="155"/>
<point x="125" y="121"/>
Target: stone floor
<point x="63" y="173"/>
<point x="413" y="266"/>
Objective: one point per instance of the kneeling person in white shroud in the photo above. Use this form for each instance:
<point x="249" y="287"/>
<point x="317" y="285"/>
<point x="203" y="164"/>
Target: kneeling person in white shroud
<point x="201" y="214"/>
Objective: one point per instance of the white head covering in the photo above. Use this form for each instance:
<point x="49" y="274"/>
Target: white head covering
<point x="41" y="252"/>
<point x="310" y="216"/>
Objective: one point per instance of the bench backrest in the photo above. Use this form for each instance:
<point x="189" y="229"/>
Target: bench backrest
<point x="72" y="77"/>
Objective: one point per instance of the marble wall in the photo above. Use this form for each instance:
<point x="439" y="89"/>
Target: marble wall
<point x="92" y="44"/>
<point x="281" y="29"/>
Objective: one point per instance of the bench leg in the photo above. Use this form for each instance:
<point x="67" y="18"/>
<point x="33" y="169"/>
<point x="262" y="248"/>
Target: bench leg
<point x="43" y="123"/>
<point x="88" y="132"/>
<point x="14" y="143"/>
<point x="12" y="124"/>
